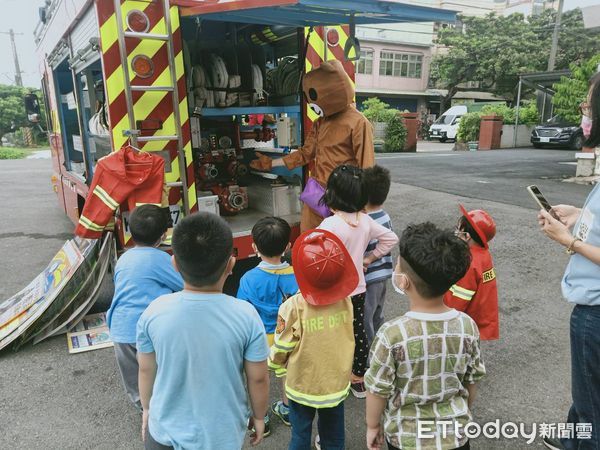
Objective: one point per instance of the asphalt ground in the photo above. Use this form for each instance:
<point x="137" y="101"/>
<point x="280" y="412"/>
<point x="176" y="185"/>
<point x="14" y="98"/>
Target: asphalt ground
<point x="52" y="400"/>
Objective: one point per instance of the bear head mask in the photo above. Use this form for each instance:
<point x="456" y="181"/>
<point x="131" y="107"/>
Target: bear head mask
<point x="328" y="89"/>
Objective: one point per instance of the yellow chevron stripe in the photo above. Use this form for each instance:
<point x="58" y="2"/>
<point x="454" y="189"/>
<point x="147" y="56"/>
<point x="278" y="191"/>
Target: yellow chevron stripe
<point x="184" y="115"/>
<point x="317" y="44"/>
<point x="55" y="121"/>
<point x="108" y="31"/>
<point x="115" y="82"/>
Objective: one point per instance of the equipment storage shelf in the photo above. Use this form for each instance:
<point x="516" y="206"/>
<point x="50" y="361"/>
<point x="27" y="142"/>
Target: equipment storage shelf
<point x="241" y="224"/>
<point x="237" y="110"/>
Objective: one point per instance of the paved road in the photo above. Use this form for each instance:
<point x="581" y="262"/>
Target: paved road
<point x="500" y="175"/>
<point x="53" y="400"/>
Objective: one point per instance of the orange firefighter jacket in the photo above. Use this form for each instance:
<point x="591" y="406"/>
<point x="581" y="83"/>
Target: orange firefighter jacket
<point x="124" y="176"/>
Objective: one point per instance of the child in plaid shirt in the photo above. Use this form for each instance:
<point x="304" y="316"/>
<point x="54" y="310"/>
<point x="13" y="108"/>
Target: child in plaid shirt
<point x="424" y="364"/>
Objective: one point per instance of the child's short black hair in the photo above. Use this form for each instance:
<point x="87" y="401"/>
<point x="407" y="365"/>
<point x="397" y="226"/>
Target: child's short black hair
<point x="376" y="182"/>
<point x="433" y="259"/>
<point x="345" y="190"/>
<point x="271" y="236"/>
<point x="202" y="245"/>
<point x="147" y="224"/>
<point x="464" y="225"/>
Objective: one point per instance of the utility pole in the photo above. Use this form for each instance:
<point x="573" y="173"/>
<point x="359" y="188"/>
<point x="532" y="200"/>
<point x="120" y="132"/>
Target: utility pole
<point x="554" y="48"/>
<point x="18" y="79"/>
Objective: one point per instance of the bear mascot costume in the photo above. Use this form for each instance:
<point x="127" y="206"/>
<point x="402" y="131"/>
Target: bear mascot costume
<point x="341" y="135"/>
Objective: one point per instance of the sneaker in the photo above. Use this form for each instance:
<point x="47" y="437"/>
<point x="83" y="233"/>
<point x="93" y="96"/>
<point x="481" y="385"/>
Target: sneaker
<point x="552" y="443"/>
<point x="267" y="431"/>
<point x="318" y="442"/>
<point x="358" y="389"/>
<point x="281" y="411"/>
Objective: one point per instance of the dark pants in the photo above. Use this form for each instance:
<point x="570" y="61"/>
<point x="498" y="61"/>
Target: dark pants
<point x="151" y="444"/>
<point x="374" y="300"/>
<point x="585" y="378"/>
<point x="467" y="446"/>
<point x="361" y="343"/>
<point x="330" y="423"/>
<point x="128" y="368"/>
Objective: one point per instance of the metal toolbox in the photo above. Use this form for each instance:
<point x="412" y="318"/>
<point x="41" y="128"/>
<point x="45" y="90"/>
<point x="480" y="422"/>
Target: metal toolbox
<point x="274" y="199"/>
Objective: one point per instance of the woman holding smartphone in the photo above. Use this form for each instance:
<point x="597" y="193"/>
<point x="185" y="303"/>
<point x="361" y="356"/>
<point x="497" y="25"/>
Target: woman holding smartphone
<point x="578" y="230"/>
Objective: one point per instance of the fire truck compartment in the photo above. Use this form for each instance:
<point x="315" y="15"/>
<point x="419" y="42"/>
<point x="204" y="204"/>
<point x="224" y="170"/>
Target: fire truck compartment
<point x="243" y="95"/>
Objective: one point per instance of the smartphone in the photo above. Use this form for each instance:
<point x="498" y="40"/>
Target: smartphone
<point x="540" y="199"/>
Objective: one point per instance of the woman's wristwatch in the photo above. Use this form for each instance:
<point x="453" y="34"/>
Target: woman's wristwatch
<point x="569" y="249"/>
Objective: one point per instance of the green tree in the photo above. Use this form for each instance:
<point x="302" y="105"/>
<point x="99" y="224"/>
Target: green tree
<point x="571" y="91"/>
<point x="12" y="108"/>
<point x="377" y="111"/>
<point x="575" y="43"/>
<point x="493" y="50"/>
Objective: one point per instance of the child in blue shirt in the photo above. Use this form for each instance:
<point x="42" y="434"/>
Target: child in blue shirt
<point x="198" y="350"/>
<point x="141" y="274"/>
<point x="269" y="284"/>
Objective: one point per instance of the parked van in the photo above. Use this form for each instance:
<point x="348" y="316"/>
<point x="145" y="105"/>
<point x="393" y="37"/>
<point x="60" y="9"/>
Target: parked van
<point x="446" y="126"/>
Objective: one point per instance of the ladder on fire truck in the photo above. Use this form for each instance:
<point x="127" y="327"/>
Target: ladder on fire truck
<point x="133" y="133"/>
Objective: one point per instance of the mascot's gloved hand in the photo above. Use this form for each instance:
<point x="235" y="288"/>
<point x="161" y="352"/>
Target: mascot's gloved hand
<point x="263" y="163"/>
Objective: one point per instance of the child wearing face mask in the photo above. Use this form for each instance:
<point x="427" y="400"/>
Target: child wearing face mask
<point x="477" y="292"/>
<point x="424" y="364"/>
<point x="268" y="285"/>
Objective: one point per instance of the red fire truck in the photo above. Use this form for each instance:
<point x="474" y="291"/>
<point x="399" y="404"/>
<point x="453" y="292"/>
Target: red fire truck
<point x="203" y="83"/>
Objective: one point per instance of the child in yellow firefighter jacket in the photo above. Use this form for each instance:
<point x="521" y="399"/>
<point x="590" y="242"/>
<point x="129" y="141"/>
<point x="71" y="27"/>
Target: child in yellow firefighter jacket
<point x="314" y="339"/>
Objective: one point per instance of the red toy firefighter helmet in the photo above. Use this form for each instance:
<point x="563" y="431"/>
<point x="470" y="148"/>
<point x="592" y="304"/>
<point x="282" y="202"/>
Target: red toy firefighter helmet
<point x="323" y="267"/>
<point x="482" y="223"/>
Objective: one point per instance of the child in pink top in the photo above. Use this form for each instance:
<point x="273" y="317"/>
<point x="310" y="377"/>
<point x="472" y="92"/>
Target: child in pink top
<point x="346" y="198"/>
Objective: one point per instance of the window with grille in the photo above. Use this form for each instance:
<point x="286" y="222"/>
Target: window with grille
<point x="365" y="63"/>
<point x="405" y="65"/>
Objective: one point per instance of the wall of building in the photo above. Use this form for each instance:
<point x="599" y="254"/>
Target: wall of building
<point x="375" y="80"/>
<point x="406" y="33"/>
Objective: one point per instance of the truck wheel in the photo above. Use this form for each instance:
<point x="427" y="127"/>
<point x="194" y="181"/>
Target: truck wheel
<point x="443" y="139"/>
<point x="537" y="145"/>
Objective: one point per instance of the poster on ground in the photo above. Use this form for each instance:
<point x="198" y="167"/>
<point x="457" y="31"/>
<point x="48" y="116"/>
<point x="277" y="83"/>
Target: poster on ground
<point x="85" y="341"/>
<point x="21" y="306"/>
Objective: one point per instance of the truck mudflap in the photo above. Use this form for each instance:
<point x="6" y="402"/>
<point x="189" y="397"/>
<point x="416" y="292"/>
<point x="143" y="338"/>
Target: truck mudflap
<point x="56" y="300"/>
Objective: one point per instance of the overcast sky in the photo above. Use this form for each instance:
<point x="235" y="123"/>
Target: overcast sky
<point x="22" y="16"/>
